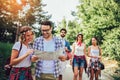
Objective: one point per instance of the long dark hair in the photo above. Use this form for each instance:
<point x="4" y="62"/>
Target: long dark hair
<point x="96" y="40"/>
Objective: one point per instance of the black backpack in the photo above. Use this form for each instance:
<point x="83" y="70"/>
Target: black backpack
<point x="7" y="66"/>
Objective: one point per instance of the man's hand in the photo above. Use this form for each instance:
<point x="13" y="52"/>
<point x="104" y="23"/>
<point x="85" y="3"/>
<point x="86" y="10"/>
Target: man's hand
<point x="62" y="58"/>
<point x="66" y="49"/>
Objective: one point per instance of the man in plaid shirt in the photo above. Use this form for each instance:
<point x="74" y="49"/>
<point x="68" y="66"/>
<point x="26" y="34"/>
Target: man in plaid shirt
<point x="48" y="69"/>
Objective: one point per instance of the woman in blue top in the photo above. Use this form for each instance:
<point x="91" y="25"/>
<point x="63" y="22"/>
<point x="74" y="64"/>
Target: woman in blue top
<point x="94" y="52"/>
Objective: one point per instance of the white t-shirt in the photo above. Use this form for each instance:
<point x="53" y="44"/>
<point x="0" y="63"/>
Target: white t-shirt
<point x="48" y="66"/>
<point x="26" y="62"/>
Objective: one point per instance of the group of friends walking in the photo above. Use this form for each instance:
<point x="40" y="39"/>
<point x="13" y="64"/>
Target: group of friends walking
<point x="22" y="55"/>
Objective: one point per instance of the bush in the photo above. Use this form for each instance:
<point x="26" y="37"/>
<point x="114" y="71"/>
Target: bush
<point x="5" y="52"/>
<point x="111" y="44"/>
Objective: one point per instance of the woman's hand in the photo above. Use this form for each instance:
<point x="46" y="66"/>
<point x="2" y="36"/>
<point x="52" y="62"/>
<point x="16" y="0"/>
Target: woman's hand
<point x="34" y="58"/>
<point x="30" y="51"/>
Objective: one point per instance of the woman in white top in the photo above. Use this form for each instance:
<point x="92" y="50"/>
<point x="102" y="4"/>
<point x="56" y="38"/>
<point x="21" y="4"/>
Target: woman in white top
<point x="78" y="60"/>
<point x="94" y="52"/>
<point x="22" y="55"/>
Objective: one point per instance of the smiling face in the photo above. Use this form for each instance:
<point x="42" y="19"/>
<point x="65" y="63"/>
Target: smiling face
<point x="94" y="41"/>
<point x="46" y="31"/>
<point x="79" y="37"/>
<point x="29" y="35"/>
<point x="26" y="34"/>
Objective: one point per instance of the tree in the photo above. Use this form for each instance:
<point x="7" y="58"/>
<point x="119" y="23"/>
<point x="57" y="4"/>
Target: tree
<point x="100" y="18"/>
<point x="72" y="28"/>
<point x="62" y="24"/>
<point x="14" y="14"/>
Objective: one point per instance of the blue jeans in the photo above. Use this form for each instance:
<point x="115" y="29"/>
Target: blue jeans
<point x="78" y="63"/>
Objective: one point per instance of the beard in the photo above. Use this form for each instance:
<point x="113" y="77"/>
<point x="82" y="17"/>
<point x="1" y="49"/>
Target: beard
<point x="62" y="36"/>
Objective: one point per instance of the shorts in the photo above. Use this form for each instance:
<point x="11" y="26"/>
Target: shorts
<point x="95" y="65"/>
<point x="79" y="62"/>
<point x="46" y="77"/>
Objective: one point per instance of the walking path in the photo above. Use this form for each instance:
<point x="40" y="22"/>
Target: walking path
<point x="68" y="74"/>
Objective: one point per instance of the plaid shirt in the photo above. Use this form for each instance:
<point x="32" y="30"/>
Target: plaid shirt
<point x="39" y="45"/>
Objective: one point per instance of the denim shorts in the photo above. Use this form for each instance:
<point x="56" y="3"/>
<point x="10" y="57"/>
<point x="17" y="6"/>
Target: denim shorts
<point x="79" y="62"/>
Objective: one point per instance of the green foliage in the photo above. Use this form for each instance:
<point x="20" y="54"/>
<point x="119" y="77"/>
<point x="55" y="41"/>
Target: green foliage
<point x="14" y="14"/>
<point x="98" y="16"/>
<point x="116" y="77"/>
<point x="72" y="28"/>
<point x="5" y="52"/>
<point x="5" y="49"/>
<point x="111" y="44"/>
<point x="101" y="18"/>
<point x="62" y="24"/>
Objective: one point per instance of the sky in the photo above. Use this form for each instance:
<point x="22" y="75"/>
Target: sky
<point x="60" y="9"/>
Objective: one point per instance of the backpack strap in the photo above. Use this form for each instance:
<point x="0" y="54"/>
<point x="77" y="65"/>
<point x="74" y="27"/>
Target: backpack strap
<point x="20" y="48"/>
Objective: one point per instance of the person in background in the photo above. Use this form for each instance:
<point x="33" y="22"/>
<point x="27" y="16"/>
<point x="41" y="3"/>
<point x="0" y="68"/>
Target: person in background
<point x="79" y="57"/>
<point x="66" y="44"/>
<point x="63" y="33"/>
<point x="21" y="56"/>
<point x="94" y="52"/>
<point x="48" y="69"/>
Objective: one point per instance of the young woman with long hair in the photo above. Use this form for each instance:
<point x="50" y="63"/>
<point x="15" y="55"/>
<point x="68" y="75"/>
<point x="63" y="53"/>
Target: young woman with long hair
<point x="79" y="57"/>
<point x="94" y="52"/>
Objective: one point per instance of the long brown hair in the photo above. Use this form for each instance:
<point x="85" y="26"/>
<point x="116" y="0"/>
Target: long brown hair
<point x="95" y="39"/>
<point x="78" y="36"/>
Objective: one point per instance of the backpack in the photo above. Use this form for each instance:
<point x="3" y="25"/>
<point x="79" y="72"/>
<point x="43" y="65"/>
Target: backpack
<point x="7" y="66"/>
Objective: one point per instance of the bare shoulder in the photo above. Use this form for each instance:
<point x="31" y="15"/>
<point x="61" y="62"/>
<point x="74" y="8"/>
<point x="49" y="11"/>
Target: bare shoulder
<point x="99" y="47"/>
<point x="74" y="43"/>
<point x="83" y="44"/>
<point x="89" y="47"/>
